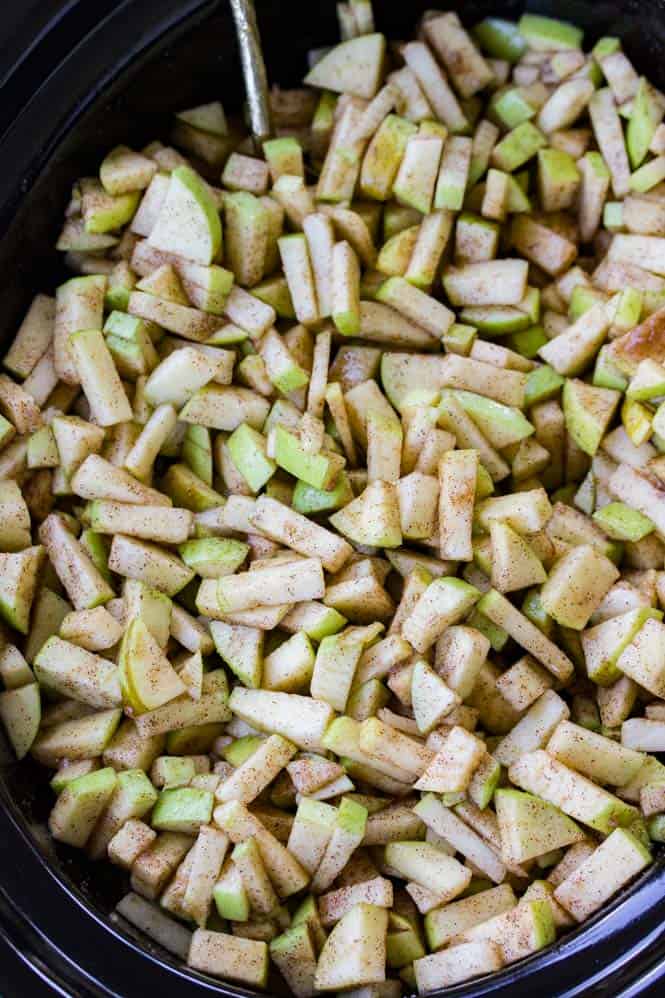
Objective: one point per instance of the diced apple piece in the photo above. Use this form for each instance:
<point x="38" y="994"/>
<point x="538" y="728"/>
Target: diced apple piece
<point x="604" y="644"/>
<point x="590" y="753"/>
<point x="99" y="377"/>
<point x="451" y="769"/>
<point x="576" y="585"/>
<point x="461" y="837"/>
<point x="444" y="923"/>
<point x="355" y="952"/>
<point x="79" y="806"/>
<point x="20" y="713"/>
<point x="432" y="699"/>
<point x="460" y="653"/>
<point x="613" y="864"/>
<point x="431" y="78"/>
<point x="299" y="533"/>
<point x="354" y="67"/>
<point x="531" y="827"/>
<point x="502" y="613"/>
<point x="526" y="928"/>
<point x="71" y="671"/>
<point x="429" y="866"/>
<point x="188" y="223"/>
<point x="533" y="730"/>
<point x="229" y="957"/>
<point x="258" y="771"/>
<point x="295" y="957"/>
<point x="18" y="582"/>
<point x="456" y="964"/>
<point x="297" y="718"/>
<point x="148" y="563"/>
<point x="443" y="603"/>
<point x="539" y="774"/>
<point x="458" y="472"/>
<point x="514" y="563"/>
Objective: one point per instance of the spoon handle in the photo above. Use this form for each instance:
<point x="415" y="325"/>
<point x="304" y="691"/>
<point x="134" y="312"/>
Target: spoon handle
<point x="253" y="68"/>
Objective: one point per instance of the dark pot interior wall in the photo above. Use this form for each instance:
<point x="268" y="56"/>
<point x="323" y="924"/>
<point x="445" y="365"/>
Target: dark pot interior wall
<point x="109" y="102"/>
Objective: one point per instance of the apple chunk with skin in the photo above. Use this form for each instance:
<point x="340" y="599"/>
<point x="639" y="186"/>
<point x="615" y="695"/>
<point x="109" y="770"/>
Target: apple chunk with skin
<point x="354" y="67"/>
<point x="147" y="677"/>
<point x="188" y="223"/>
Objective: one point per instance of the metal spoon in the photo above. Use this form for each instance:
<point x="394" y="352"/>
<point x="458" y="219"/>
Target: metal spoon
<point x="253" y="68"/>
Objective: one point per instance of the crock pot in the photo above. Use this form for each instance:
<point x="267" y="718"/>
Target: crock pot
<point x="76" y="78"/>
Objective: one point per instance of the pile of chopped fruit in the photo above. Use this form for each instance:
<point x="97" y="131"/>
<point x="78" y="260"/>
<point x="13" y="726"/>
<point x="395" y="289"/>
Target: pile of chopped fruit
<point x="333" y="512"/>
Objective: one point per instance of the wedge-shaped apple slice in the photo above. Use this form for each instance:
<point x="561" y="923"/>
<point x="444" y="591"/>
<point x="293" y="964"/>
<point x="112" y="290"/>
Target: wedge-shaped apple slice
<point x="531" y="827"/>
<point x="533" y="729"/>
<point x="285" y="872"/>
<point x="74" y="672"/>
<point x="21" y="713"/>
<point x="294" y="955"/>
<point x="571" y="351"/>
<point x="84" y="583"/>
<point x="595" y="756"/>
<point x="354" y="954"/>
<point x="643" y="660"/>
<point x="456" y="49"/>
<point x="191" y="674"/>
<point x="99" y="479"/>
<point x="302" y="535"/>
<point x="257" y="771"/>
<point x="609" y="136"/>
<point x="429" y="866"/>
<point x="83" y="738"/>
<point x="452" y="768"/>
<point x="460" y="653"/>
<point x="432" y="698"/>
<point x="79" y="806"/>
<point x="310" y="773"/>
<point x="99" y="377"/>
<point x="615" y="862"/>
<point x="444" y="602"/>
<point x="206" y="118"/>
<point x="384" y="744"/>
<point x="457" y="964"/>
<point x="639" y="492"/>
<point x="525" y="929"/>
<point x="373" y="518"/>
<point x="133" y="797"/>
<point x="147" y="677"/>
<point x="354" y="67"/>
<point x="242" y="650"/>
<point x="538" y="773"/>
<point x="515" y="565"/>
<point x="577" y="584"/>
<point x="346" y="836"/>
<point x="183" y="712"/>
<point x="188" y="223"/>
<point x="300" y="719"/>
<point x="149" y="563"/>
<point x="243" y="960"/>
<point x="604" y="643"/>
<point x="443" y="924"/>
<point x="311" y="832"/>
<point x="18" y="581"/>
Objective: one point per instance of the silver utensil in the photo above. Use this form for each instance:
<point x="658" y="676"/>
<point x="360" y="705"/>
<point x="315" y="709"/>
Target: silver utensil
<point x="253" y="68"/>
